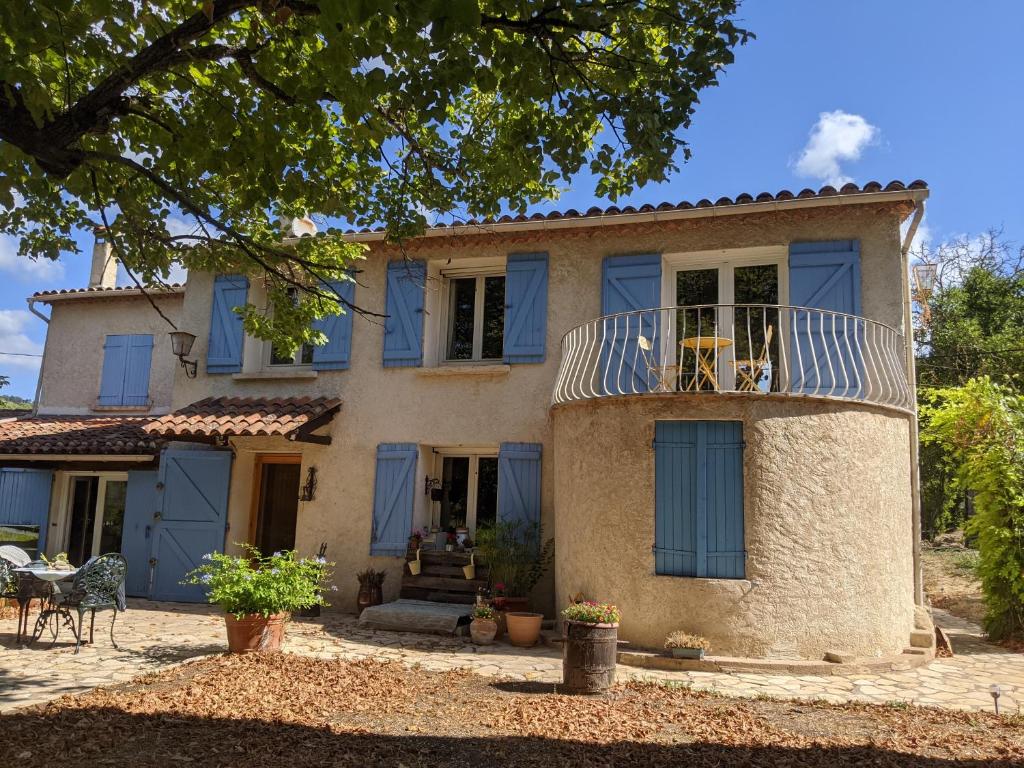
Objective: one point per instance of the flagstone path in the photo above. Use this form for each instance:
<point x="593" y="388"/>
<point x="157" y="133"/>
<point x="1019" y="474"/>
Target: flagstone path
<point x="154" y="636"/>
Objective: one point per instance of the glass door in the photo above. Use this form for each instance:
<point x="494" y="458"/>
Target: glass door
<point x="95" y="516"/>
<point x="469" y="492"/>
<point x="696" y="329"/>
<point x="756" y="329"/>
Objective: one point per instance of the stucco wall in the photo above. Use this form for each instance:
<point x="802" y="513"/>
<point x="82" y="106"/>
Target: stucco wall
<point x="73" y="356"/>
<point x="827" y="513"/>
<point x="469" y="409"/>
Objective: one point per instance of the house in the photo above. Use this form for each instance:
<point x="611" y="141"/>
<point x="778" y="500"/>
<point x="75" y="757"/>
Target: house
<point x="707" y="406"/>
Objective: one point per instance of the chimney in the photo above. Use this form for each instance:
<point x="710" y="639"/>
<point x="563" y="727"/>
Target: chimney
<point x="104" y="266"/>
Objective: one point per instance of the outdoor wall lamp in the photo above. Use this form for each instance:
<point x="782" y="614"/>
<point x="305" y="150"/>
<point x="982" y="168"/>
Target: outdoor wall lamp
<point x="925" y="275"/>
<point x="308" y="491"/>
<point x="181" y="345"/>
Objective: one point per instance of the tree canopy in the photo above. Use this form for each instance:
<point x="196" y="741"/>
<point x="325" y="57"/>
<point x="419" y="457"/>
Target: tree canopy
<point x="120" y="113"/>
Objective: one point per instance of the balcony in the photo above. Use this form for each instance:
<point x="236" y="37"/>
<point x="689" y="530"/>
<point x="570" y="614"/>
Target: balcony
<point x="750" y="349"/>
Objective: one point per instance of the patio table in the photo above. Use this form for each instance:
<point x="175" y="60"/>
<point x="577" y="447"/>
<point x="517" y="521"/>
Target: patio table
<point x="52" y="613"/>
<point x="707" y="349"/>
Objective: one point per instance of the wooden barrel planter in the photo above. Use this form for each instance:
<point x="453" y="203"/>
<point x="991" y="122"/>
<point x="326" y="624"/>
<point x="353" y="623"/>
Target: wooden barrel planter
<point x="589" y="652"/>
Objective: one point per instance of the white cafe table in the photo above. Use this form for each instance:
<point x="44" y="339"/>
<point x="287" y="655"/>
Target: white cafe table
<point x="52" y="613"/>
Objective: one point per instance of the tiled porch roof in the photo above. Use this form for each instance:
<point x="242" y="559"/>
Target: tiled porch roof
<point x="246" y="416"/>
<point x="79" y="435"/>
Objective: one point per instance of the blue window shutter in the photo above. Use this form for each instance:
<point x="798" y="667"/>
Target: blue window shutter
<point x="725" y="557"/>
<point x="526" y="307"/>
<point x="403" y="326"/>
<point x="698" y="491"/>
<point x="675" y="498"/>
<point x="224" y="354"/>
<point x="393" y="497"/>
<point x="629" y="283"/>
<point x="336" y="353"/>
<point x="519" y="482"/>
<point x="115" y="362"/>
<point x="826" y="275"/>
<point x="25" y="500"/>
<point x="136" y="376"/>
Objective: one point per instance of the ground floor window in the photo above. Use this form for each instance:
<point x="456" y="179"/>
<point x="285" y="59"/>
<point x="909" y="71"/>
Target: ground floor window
<point x="96" y="506"/>
<point x="468" y="496"/>
<point x="698" y="490"/>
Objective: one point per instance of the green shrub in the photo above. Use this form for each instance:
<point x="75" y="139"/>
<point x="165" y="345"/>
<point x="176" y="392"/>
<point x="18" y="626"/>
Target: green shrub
<point x="254" y="584"/>
<point x="981" y="425"/>
<point x="516" y="553"/>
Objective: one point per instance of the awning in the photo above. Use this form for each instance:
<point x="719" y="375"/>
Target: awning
<point x="292" y="417"/>
<point x="52" y="436"/>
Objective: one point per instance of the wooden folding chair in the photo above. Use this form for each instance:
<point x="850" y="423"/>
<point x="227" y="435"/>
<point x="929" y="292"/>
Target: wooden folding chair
<point x="750" y="371"/>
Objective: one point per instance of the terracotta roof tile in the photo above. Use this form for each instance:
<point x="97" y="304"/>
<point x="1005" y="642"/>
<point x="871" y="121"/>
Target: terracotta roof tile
<point x="243" y="416"/>
<point x="744" y="198"/>
<point x="121" y="290"/>
<point x="56" y="435"/>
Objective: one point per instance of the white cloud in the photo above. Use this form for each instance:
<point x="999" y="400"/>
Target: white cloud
<point x="24" y="268"/>
<point x="837" y="137"/>
<point x="13" y="338"/>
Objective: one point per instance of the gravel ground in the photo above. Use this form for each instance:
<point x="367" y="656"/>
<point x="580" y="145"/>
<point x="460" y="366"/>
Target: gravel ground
<point x="283" y="709"/>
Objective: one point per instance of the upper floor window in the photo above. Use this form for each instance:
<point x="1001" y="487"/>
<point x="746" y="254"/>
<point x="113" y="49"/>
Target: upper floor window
<point x="475" y="322"/>
<point x="125" y="378"/>
<point x="301" y="355"/>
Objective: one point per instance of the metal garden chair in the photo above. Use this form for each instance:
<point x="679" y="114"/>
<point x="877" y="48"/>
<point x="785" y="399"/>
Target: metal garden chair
<point x="16" y="586"/>
<point x="98" y="584"/>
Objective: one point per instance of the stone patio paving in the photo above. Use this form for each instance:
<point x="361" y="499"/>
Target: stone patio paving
<point x="154" y="636"/>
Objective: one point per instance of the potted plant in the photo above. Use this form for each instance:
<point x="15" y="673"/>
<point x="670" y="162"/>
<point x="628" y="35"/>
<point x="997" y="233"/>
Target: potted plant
<point x="484" y="625"/>
<point x="683" y="645"/>
<point x="517" y="557"/>
<point x="416" y="538"/>
<point x="589" y="647"/>
<point x="257" y="593"/>
<point x="371" y="589"/>
<point x="451" y="539"/>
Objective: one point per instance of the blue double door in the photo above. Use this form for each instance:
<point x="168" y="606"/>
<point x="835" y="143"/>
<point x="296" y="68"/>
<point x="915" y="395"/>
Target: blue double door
<point x="174" y="516"/>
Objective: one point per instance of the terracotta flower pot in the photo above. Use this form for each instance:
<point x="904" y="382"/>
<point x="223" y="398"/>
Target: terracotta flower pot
<point x="523" y="628"/>
<point x="253" y="632"/>
<point x="482" y="631"/>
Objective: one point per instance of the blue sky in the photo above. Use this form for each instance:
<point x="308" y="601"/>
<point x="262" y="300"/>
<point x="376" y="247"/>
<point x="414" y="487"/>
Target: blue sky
<point x="868" y="90"/>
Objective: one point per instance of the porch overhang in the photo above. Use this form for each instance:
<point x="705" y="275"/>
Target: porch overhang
<point x="294" y="418"/>
<point x="78" y="438"/>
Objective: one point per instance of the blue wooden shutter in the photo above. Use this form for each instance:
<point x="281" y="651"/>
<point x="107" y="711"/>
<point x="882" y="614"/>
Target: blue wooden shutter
<point x="136" y="376"/>
<point x="336" y="353"/>
<point x="526" y="308"/>
<point x="826" y="359"/>
<point x="675" y="498"/>
<point x="698" y="492"/>
<point x="224" y="354"/>
<point x="723" y="501"/>
<point x="630" y="283"/>
<point x="140" y="504"/>
<point x="115" y="360"/>
<point x="403" y="326"/>
<point x="393" y="498"/>
<point x="519" y="482"/>
<point x="25" y="501"/>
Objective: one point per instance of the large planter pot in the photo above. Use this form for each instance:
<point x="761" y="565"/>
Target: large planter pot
<point x="253" y="632"/>
<point x="589" y="652"/>
<point x="368" y="596"/>
<point x="482" y="631"/>
<point x="523" y="628"/>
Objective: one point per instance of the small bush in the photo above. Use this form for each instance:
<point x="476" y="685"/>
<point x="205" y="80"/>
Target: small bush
<point x="686" y="640"/>
<point x="589" y="612"/>
<point x="484" y="612"/>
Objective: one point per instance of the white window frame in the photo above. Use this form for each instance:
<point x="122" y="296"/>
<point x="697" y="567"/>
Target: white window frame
<point x="480" y="273"/>
<point x="725" y="261"/>
<point x="472" y="492"/>
<point x="268" y="357"/>
<point x="64" y="529"/>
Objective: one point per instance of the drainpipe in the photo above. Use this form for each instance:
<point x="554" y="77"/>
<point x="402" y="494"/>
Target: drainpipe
<point x="915" y="463"/>
<point x="39" y="381"/>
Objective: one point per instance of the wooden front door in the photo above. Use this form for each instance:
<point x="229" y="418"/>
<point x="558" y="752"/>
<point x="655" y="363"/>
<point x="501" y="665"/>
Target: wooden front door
<point x="277" y="503"/>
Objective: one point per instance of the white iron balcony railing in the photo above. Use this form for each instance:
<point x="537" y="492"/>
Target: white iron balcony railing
<point x="752" y="348"/>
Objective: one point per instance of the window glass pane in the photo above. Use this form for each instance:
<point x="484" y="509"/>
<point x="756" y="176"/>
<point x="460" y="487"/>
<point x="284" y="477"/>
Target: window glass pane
<point x="487" y="492"/>
<point x="455" y="476"/>
<point x="306" y="354"/>
<point x="757" y="361"/>
<point x="113" y="516"/>
<point x="279" y="357"/>
<point x="460" y="318"/>
<point x="494" y="317"/>
<point x="695" y="326"/>
<point x="83" y="516"/>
